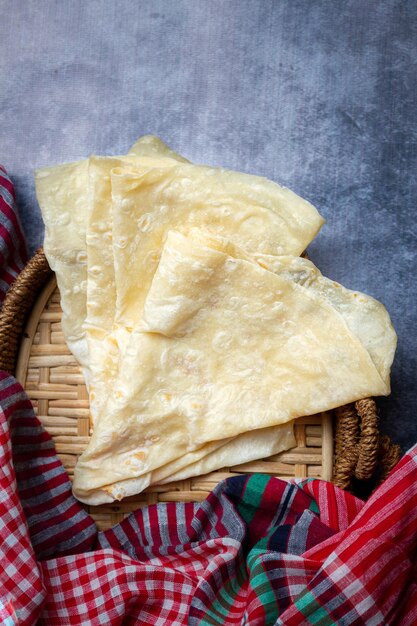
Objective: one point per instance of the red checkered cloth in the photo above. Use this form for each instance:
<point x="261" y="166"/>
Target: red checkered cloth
<point x="13" y="254"/>
<point x="258" y="551"/>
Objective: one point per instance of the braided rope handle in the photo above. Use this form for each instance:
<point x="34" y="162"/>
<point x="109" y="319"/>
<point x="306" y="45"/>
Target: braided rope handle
<point x="361" y="453"/>
<point x="17" y="305"/>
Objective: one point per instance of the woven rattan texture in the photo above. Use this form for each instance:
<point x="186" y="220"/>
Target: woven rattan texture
<point x="55" y="385"/>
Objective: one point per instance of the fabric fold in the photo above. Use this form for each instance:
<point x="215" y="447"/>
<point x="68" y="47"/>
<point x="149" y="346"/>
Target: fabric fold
<point x="257" y="549"/>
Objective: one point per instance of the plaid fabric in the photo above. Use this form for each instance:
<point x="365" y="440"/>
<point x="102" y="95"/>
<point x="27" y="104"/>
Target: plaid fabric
<point x="13" y="255"/>
<point x="257" y="551"/>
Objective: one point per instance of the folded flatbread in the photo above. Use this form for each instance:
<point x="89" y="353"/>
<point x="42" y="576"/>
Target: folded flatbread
<point x="146" y="202"/>
<point x="62" y="193"/>
<point x="105" y="215"/>
<point x="71" y="197"/>
<point x="100" y="302"/>
<point x="152" y="146"/>
<point x="253" y="212"/>
<point x="77" y="207"/>
<point x="224" y="347"/>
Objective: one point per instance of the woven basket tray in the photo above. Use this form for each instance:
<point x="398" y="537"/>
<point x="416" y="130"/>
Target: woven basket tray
<point x="53" y="381"/>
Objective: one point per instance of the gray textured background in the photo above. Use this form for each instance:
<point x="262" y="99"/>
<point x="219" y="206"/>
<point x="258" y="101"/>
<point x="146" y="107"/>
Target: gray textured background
<point x="319" y="95"/>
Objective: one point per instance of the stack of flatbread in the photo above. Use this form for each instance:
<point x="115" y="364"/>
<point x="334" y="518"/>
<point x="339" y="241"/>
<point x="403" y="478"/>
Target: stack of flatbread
<point x="201" y="332"/>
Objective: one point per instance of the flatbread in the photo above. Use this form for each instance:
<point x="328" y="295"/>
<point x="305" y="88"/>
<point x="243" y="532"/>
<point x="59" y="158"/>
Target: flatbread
<point x="76" y="203"/>
<point x="77" y="206"/>
<point x="104" y="354"/>
<point x="367" y="318"/>
<point x="254" y="212"/>
<point x="64" y="202"/>
<point x="63" y="193"/>
<point x="224" y="347"/>
<point x="149" y="145"/>
<point x="101" y="287"/>
<point x="147" y="202"/>
<point x="104" y="351"/>
<point x="246" y="447"/>
<point x="181" y="215"/>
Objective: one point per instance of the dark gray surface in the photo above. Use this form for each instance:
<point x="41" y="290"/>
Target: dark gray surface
<point x="317" y="95"/>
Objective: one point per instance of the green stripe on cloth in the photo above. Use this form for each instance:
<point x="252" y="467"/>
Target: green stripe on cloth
<point x="263" y="589"/>
<point x="313" y="612"/>
<point x="254" y="490"/>
<point x="224" y="601"/>
<point x="314" y="507"/>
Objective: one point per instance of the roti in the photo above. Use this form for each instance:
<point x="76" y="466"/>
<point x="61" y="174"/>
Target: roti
<point x="224" y="347"/>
